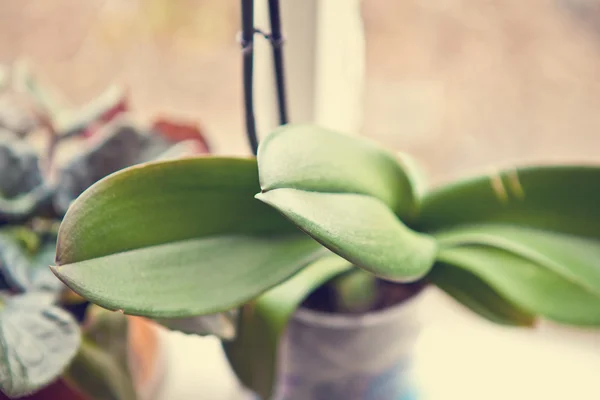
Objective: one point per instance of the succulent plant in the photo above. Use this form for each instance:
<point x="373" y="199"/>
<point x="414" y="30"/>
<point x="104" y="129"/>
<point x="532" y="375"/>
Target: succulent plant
<point x="46" y="331"/>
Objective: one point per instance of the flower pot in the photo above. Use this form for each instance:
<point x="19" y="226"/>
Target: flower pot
<point x="146" y="361"/>
<point x="344" y="357"/>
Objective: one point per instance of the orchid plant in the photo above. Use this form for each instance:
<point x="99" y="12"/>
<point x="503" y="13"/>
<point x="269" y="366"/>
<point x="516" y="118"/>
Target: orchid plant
<point x="254" y="237"/>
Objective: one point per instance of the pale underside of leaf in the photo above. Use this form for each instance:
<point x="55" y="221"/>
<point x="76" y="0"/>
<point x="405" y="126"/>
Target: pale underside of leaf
<point x="575" y="259"/>
<point x="177" y="239"/>
<point x="192" y="277"/>
<point x="476" y="295"/>
<point x="312" y="158"/>
<point x="359" y="228"/>
<point x="530" y="286"/>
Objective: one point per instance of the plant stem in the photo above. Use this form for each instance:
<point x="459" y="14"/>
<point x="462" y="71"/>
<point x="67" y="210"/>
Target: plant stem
<point x="276" y="40"/>
<point x="277" y="45"/>
<point x="248" y="64"/>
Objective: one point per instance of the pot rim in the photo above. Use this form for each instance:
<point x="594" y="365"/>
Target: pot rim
<point x="353" y="321"/>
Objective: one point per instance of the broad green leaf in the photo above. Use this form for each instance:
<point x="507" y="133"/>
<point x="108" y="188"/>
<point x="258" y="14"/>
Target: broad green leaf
<point x="191" y="277"/>
<point x="356" y="291"/>
<point x="254" y="353"/>
<point x="188" y="233"/>
<point x="37" y="342"/>
<point x="556" y="198"/>
<point x="359" y="228"/>
<point x="119" y="146"/>
<point x="101" y="367"/>
<point x="575" y="259"/>
<point x="478" y="296"/>
<point x="345" y="192"/>
<point x="166" y="202"/>
<point x="530" y="286"/>
<point x="315" y="159"/>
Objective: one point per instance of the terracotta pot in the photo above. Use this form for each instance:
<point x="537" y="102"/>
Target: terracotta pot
<point x="146" y="360"/>
<point x="342" y="357"/>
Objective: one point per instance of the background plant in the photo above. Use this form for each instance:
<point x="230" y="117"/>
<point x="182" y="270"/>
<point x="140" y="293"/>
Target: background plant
<point x="40" y="319"/>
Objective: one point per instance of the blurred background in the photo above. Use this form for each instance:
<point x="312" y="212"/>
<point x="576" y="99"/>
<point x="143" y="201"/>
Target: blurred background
<point x="459" y="84"/>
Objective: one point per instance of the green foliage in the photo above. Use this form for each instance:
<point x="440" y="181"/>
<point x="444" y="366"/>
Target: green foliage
<point x="512" y="246"/>
<point x="475" y="294"/>
<point x="312" y="159"/>
<point x="390" y="251"/>
<point x="336" y="189"/>
<point x="554" y="198"/>
<point x="172" y="221"/>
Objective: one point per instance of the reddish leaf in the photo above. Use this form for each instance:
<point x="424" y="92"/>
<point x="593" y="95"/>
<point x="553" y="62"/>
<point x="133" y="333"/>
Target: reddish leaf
<point x="107" y="116"/>
<point x="177" y="131"/>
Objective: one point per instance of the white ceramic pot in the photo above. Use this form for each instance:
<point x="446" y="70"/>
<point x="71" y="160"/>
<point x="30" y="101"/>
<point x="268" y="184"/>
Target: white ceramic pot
<point x="341" y="357"/>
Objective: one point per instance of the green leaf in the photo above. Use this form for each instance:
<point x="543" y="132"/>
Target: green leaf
<point x="530" y="286"/>
<point x="189" y="233"/>
<point x="253" y="354"/>
<point x="120" y="146"/>
<point x="359" y="228"/>
<point x="165" y="202"/>
<point x="556" y="198"/>
<point x="37" y="342"/>
<point x="189" y="278"/>
<point x="315" y="159"/>
<point x="478" y="296"/>
<point x="101" y="367"/>
<point x="221" y="324"/>
<point x="344" y="192"/>
<point x="575" y="259"/>
<point x="355" y="291"/>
